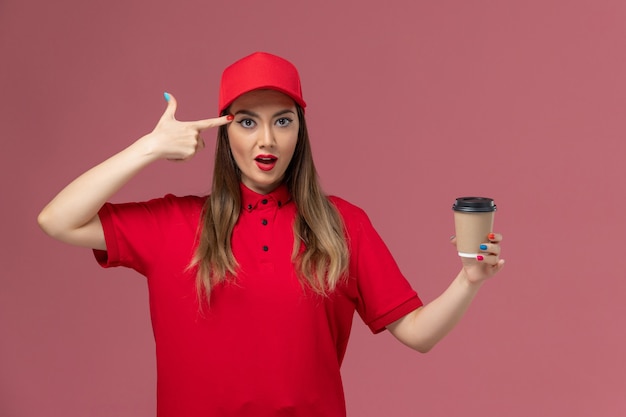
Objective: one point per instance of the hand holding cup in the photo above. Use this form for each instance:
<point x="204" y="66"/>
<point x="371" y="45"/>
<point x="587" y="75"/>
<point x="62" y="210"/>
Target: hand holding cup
<point x="477" y="245"/>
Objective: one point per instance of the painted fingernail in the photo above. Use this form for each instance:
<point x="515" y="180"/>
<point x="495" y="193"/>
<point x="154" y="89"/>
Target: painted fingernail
<point x="230" y="117"/>
<point x="491" y="236"/>
<point x="483" y="247"/>
<point x="167" y="96"/>
<point x="480" y="257"/>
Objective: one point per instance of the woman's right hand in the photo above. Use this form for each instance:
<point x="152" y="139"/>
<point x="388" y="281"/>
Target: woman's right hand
<point x="176" y="140"/>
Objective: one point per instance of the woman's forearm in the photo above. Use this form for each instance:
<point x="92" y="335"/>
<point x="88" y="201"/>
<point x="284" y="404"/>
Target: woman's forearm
<point x="425" y="327"/>
<point x="70" y="216"/>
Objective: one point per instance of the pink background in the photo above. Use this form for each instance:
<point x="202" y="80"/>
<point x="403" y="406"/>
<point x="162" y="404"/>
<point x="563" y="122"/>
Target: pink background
<point x="411" y="104"/>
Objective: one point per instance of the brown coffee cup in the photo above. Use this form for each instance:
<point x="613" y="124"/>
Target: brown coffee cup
<point x="473" y="221"/>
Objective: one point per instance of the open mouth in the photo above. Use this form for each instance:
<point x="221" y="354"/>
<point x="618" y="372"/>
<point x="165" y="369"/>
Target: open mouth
<point x="266" y="159"/>
<point x="265" y="162"/>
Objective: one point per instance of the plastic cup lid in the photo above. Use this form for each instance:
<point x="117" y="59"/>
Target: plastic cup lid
<point x="474" y="204"/>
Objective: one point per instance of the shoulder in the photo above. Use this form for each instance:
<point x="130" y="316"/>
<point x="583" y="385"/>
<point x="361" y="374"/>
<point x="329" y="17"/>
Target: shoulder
<point x="190" y="201"/>
<point x="344" y="205"/>
<point x="174" y="201"/>
<point x="168" y="205"/>
<point x="351" y="214"/>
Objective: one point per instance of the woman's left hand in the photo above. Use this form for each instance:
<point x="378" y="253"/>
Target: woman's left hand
<point x="487" y="263"/>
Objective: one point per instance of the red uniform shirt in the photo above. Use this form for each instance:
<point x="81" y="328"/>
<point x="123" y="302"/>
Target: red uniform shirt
<point x="266" y="346"/>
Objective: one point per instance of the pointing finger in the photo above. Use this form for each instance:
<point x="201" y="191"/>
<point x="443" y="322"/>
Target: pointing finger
<point x="209" y="123"/>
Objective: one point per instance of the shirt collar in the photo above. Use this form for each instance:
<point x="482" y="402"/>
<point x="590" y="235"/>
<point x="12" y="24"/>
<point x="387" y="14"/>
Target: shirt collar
<point x="251" y="199"/>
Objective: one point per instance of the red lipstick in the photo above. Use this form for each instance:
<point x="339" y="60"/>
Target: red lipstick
<point x="266" y="162"/>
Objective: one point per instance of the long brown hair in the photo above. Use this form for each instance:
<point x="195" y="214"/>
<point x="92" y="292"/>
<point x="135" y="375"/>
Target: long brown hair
<point x="318" y="225"/>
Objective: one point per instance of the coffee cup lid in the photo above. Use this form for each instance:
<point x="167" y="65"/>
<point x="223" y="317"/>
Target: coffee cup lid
<point x="474" y="204"/>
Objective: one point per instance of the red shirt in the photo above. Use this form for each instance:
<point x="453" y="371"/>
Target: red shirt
<point x="266" y="346"/>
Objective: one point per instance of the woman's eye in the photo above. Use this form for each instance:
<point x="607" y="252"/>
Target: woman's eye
<point x="283" y="121"/>
<point x="247" y="123"/>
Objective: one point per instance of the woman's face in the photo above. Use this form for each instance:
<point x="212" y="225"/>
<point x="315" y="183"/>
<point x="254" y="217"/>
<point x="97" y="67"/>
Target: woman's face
<point x="263" y="137"/>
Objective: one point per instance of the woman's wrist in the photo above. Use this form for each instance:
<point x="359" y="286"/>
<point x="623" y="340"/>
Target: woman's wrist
<point x="146" y="148"/>
<point x="464" y="278"/>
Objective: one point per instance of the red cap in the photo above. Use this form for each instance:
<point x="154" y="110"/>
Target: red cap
<point x="259" y="71"/>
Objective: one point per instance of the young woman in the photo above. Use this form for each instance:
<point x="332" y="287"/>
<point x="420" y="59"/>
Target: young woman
<point x="253" y="288"/>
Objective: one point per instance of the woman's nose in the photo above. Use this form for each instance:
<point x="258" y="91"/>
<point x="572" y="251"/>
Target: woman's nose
<point x="266" y="137"/>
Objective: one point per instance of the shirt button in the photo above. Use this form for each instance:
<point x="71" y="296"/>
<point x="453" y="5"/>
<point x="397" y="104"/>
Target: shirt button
<point x="264" y="221"/>
<point x="265" y="248"/>
<point x="249" y="206"/>
<point x="280" y="204"/>
<point x="264" y="201"/>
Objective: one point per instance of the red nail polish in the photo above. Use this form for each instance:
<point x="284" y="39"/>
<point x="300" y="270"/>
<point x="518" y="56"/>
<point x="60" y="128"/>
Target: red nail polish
<point x="491" y="236"/>
<point x="230" y="117"/>
<point x="480" y="257"/>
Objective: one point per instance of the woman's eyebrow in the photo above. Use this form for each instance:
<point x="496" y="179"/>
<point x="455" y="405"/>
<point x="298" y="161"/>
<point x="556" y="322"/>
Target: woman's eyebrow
<point x="280" y="113"/>
<point x="253" y="114"/>
<point x="247" y="113"/>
